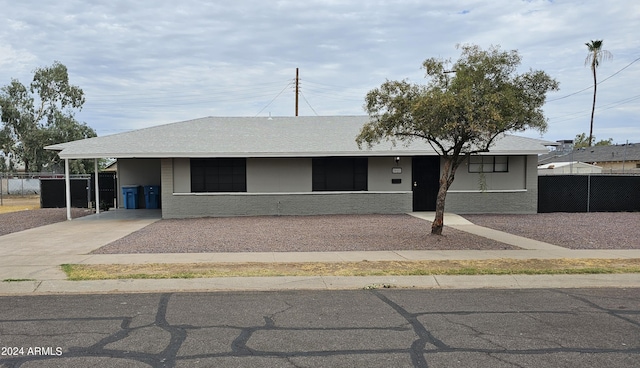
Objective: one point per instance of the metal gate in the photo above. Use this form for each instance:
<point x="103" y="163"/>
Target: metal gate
<point x="107" y="184"/>
<point x="53" y="193"/>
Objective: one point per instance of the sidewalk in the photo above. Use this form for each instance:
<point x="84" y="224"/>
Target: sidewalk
<point x="22" y="258"/>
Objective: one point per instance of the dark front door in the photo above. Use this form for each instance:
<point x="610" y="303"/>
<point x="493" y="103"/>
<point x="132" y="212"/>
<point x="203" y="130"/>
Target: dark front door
<point x="425" y="176"/>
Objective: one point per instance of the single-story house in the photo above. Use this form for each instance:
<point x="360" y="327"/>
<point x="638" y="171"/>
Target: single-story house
<point x="613" y="159"/>
<point x="566" y="168"/>
<point x="238" y="166"/>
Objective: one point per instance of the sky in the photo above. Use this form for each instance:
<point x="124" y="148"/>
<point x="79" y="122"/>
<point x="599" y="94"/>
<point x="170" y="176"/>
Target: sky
<point x="144" y="63"/>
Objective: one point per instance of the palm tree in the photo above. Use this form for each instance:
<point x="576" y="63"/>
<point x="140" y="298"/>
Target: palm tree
<point x="595" y="56"/>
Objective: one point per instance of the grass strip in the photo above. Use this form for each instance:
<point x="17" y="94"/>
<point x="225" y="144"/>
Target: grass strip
<point x="78" y="272"/>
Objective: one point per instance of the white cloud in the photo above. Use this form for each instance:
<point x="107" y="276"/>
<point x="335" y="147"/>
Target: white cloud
<point x="147" y="62"/>
<point x="15" y="60"/>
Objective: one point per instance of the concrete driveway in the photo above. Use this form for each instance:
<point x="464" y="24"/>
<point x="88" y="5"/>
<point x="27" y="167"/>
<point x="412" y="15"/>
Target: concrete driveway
<point x="37" y="253"/>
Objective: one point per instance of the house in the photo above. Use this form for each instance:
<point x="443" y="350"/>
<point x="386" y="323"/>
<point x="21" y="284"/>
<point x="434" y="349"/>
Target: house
<point x="613" y="159"/>
<point x="568" y="168"/>
<point x="111" y="166"/>
<point x="237" y="166"/>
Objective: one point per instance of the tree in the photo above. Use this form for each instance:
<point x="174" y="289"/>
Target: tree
<point x="461" y="109"/>
<point x="594" y="58"/>
<point x="582" y="141"/>
<point x="39" y="116"/>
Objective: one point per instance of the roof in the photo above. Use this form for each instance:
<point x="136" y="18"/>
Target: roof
<point x="613" y="153"/>
<point x="261" y="137"/>
<point x="564" y="164"/>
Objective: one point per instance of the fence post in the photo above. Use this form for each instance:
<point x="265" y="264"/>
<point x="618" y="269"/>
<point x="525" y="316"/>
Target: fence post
<point x="588" y="193"/>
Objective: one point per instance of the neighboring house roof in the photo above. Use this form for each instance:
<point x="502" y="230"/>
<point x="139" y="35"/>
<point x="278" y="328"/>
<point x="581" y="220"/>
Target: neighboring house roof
<point x="564" y="164"/>
<point x="111" y="166"/>
<point x="597" y="154"/>
<point x="262" y="137"/>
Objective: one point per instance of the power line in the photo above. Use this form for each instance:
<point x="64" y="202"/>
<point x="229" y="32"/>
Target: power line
<point x="618" y="103"/>
<point x="225" y="90"/>
<point x="173" y="101"/>
<point x="308" y="104"/>
<point x="612" y="75"/>
<point x="278" y="95"/>
<point x="587" y="88"/>
<point x="333" y="88"/>
<point x="609" y="106"/>
<point x="203" y="96"/>
<point x="571" y="94"/>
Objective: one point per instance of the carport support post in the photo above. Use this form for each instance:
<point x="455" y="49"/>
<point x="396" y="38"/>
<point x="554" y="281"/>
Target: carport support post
<point x="67" y="187"/>
<point x="95" y="164"/>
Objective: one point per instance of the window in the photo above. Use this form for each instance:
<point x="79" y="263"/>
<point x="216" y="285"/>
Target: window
<point x="487" y="164"/>
<point x="218" y="175"/>
<point x="339" y="173"/>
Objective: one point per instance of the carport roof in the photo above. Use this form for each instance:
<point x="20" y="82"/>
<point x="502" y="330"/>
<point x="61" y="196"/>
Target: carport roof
<point x="261" y="137"/>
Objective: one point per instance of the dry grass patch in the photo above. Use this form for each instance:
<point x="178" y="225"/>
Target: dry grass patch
<point x="364" y="268"/>
<point x="14" y="204"/>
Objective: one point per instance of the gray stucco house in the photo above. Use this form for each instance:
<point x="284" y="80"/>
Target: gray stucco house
<point x="236" y="166"/>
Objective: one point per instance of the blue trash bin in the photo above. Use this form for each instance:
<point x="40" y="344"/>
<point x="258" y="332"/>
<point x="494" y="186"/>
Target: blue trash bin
<point x="152" y="196"/>
<point x="130" y="196"/>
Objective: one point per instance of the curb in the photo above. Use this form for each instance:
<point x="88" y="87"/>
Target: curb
<point x="282" y="283"/>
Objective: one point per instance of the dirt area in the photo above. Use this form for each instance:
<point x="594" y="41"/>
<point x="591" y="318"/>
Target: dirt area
<point x="595" y="230"/>
<point x="19" y="203"/>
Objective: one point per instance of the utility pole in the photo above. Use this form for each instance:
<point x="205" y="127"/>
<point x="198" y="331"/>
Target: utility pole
<point x="297" y="90"/>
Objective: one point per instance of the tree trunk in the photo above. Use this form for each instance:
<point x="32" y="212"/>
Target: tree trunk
<point x="438" y="222"/>
<point x="593" y="106"/>
<point x="445" y="181"/>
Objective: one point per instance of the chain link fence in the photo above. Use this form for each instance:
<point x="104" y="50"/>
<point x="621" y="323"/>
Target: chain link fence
<point x="19" y="185"/>
<point x="22" y="187"/>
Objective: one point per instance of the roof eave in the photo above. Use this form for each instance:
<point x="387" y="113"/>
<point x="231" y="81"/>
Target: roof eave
<point x="365" y="153"/>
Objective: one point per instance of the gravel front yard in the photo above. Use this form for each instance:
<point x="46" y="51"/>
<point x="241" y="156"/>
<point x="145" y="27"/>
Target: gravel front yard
<point x="12" y="222"/>
<point x="295" y="234"/>
<point x="602" y="230"/>
<point x="595" y="230"/>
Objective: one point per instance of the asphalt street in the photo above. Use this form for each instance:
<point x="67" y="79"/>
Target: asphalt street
<point x="362" y="328"/>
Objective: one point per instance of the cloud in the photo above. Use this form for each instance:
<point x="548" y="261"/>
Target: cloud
<point x="149" y="62"/>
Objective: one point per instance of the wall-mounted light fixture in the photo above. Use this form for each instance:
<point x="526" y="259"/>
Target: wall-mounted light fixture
<point x="397" y="159"/>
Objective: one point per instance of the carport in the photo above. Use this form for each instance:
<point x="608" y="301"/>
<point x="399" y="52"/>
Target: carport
<point x="142" y="172"/>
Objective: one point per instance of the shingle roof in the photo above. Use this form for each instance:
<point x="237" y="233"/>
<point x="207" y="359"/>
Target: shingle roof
<point x="261" y="137"/>
<point x="568" y="163"/>
<point x="613" y="153"/>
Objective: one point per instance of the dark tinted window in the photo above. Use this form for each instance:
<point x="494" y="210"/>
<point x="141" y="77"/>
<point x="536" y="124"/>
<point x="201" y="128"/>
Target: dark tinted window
<point x="340" y="173"/>
<point x="218" y="175"/>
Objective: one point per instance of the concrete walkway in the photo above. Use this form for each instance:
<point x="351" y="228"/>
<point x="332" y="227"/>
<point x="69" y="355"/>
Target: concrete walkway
<point x="36" y="254"/>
